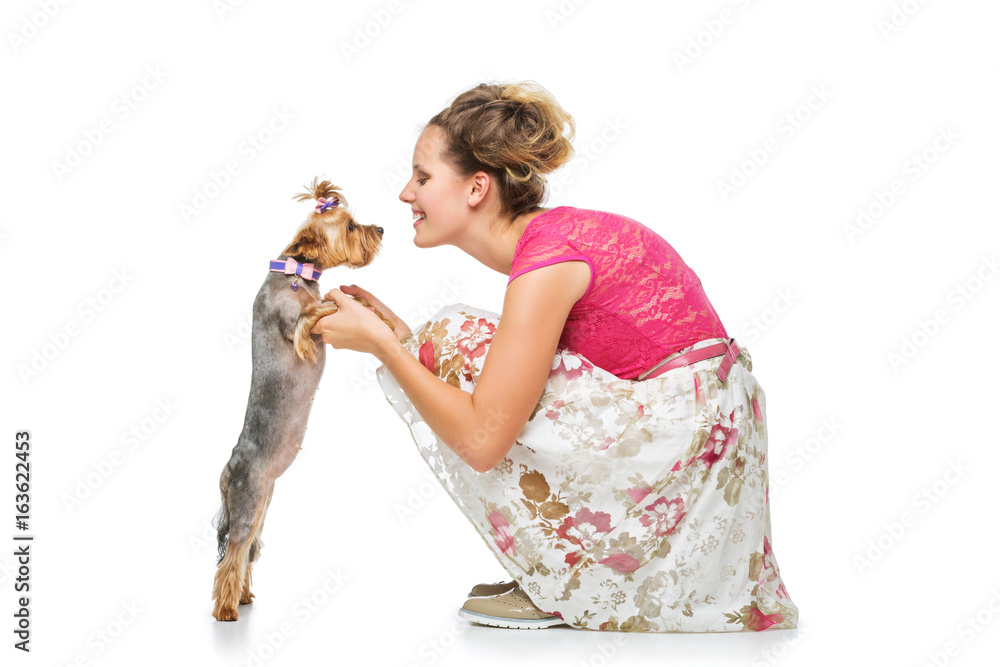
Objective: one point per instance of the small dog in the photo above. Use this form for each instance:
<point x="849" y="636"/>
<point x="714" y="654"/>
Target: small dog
<point x="287" y="365"/>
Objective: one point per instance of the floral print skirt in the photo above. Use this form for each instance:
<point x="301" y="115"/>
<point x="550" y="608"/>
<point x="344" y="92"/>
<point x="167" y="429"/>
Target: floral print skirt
<point x="623" y="505"/>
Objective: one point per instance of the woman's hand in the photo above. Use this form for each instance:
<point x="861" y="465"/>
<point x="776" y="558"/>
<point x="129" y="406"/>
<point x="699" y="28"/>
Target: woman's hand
<point x="402" y="330"/>
<point x="353" y="327"/>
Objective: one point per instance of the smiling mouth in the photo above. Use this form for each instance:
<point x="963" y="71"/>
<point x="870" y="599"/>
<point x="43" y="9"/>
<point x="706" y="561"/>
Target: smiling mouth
<point x="418" y="216"/>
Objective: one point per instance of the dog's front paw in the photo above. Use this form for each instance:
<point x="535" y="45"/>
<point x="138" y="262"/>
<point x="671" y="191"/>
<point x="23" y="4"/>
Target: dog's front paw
<point x="247" y="597"/>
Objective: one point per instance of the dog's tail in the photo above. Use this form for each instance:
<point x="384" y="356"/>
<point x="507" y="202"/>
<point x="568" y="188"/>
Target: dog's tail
<point x="305" y="346"/>
<point x="221" y="522"/>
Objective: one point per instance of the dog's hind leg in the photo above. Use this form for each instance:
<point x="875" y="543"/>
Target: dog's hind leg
<point x="246" y="597"/>
<point x="246" y="511"/>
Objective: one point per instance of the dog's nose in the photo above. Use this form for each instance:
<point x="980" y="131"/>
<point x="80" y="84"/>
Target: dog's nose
<point x="379" y="230"/>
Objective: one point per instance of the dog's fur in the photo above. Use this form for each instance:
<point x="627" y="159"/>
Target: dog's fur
<point x="287" y="364"/>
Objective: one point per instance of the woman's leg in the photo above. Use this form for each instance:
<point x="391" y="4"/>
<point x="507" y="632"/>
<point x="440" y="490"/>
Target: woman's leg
<point x="623" y="505"/>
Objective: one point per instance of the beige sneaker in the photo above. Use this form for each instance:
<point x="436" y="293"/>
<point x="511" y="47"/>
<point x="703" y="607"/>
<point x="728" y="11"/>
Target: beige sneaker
<point x="513" y="609"/>
<point x="484" y="590"/>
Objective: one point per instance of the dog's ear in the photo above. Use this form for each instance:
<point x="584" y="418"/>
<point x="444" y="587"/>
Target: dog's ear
<point x="308" y="243"/>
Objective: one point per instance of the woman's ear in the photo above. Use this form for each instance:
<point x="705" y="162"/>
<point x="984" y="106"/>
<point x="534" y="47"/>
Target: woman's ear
<point x="481" y="183"/>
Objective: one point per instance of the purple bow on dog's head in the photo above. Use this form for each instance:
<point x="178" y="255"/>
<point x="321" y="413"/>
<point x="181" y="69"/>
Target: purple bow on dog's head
<point x="325" y="203"/>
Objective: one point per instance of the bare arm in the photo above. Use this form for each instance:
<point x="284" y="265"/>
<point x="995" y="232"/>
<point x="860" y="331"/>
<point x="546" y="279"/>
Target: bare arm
<point x="481" y="427"/>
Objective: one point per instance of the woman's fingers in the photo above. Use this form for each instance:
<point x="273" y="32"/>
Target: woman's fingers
<point x="354" y="290"/>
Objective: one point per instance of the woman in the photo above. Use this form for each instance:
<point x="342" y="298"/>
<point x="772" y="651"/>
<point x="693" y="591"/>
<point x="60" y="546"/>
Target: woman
<point x="620" y="492"/>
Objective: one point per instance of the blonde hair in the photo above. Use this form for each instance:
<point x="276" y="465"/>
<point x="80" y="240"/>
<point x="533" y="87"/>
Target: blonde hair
<point x="515" y="132"/>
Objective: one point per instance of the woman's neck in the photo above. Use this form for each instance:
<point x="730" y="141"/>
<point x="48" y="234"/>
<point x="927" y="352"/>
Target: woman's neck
<point x="496" y="248"/>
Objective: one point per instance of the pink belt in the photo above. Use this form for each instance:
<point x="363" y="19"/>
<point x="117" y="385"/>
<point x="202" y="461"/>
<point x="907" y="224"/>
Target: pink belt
<point x="730" y="349"/>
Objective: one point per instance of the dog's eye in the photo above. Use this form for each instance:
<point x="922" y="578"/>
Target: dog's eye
<point x="350" y="226"/>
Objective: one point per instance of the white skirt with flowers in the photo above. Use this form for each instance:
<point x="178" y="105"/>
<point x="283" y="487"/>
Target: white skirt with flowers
<point x="623" y="505"/>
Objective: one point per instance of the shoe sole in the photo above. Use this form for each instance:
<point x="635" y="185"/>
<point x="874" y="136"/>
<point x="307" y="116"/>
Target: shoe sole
<point x="500" y="622"/>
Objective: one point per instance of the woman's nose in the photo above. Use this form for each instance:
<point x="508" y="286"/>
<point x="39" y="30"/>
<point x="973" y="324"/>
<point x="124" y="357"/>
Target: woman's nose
<point x="379" y="230"/>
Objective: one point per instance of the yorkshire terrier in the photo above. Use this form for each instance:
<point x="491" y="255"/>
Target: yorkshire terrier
<point x="287" y="364"/>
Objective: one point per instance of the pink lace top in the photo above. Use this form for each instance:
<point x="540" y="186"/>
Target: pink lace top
<point x="643" y="302"/>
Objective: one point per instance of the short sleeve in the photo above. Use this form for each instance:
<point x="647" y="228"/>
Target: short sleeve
<point x="542" y="245"/>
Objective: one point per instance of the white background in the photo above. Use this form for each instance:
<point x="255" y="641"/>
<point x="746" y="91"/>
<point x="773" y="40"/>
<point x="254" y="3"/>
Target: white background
<point x="117" y="303"/>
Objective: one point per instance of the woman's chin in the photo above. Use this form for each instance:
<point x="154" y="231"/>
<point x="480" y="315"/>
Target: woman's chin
<point x="421" y="242"/>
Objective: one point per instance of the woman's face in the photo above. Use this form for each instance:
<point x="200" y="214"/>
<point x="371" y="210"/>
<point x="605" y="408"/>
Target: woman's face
<point x="435" y="193"/>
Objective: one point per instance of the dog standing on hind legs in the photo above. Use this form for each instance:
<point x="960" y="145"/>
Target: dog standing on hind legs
<point x="287" y="366"/>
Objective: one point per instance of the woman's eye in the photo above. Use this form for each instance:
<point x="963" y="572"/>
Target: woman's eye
<point x="421" y="180"/>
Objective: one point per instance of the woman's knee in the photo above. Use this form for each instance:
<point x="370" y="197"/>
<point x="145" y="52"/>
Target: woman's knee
<point x="454" y="341"/>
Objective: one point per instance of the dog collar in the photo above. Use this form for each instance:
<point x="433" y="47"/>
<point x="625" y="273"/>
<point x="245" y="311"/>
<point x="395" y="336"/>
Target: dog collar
<point x="298" y="269"/>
